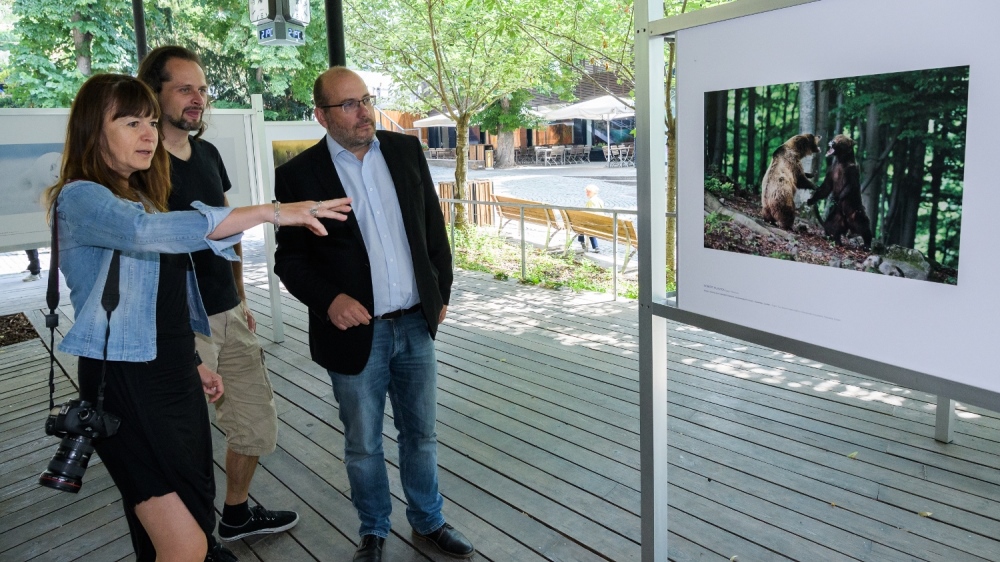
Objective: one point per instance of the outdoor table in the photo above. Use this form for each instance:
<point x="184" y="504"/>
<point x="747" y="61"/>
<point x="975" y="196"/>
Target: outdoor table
<point x="541" y="151"/>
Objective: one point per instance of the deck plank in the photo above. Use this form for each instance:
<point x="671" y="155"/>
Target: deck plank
<point x="539" y="438"/>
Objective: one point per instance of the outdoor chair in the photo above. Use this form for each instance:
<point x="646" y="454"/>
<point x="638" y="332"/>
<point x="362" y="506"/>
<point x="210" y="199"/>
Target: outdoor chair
<point x="627" y="155"/>
<point x="614" y="156"/>
<point x="555" y="155"/>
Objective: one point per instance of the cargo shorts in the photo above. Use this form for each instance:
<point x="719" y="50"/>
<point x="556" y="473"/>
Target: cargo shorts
<point x="246" y="411"/>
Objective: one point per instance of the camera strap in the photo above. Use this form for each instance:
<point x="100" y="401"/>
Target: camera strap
<point x="109" y="301"/>
<point x="52" y="301"/>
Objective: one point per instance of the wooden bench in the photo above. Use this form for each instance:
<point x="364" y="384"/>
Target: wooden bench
<point x="600" y="225"/>
<point x="510" y="210"/>
<point x="441" y="153"/>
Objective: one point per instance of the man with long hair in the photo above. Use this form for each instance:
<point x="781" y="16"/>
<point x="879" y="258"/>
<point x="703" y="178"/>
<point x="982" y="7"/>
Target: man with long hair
<point x="246" y="413"/>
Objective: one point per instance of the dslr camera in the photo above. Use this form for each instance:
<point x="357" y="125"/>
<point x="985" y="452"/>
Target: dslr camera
<point x="78" y="423"/>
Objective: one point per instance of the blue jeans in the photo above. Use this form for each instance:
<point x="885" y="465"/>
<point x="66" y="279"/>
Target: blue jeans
<point x="593" y="240"/>
<point x="402" y="365"/>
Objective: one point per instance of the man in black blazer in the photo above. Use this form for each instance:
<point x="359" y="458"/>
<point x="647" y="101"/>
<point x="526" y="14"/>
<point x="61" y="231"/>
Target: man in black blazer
<point x="376" y="288"/>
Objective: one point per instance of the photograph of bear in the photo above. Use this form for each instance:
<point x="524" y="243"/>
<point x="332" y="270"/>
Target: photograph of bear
<point x="845" y="213"/>
<point x="890" y="190"/>
<point x="783" y="177"/>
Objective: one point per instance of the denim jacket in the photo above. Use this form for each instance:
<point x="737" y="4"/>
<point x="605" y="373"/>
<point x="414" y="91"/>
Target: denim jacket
<point x="93" y="222"/>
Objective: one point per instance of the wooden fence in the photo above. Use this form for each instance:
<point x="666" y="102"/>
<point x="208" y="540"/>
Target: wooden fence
<point x="475" y="190"/>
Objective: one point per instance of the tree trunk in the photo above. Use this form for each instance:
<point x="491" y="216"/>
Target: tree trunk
<point x="765" y="147"/>
<point x="671" y="196"/>
<point x="504" y="150"/>
<point x="822" y="125"/>
<point x="719" y="146"/>
<point x="893" y="216"/>
<point x="81" y="46"/>
<point x="937" y="176"/>
<point x="914" y="183"/>
<point x="751" y="178"/>
<point x="807" y="119"/>
<point x="807" y="107"/>
<point x="461" y="163"/>
<point x="838" y="124"/>
<point x="710" y="128"/>
<point x="737" y="136"/>
<point x="872" y="192"/>
<point x="713" y="205"/>
<point x="786" y="100"/>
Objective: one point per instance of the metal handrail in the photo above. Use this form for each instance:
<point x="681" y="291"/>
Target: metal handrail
<point x="524" y="272"/>
<point x="384" y="115"/>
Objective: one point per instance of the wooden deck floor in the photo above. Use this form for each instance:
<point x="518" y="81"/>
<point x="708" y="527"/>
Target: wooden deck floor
<point x="539" y="448"/>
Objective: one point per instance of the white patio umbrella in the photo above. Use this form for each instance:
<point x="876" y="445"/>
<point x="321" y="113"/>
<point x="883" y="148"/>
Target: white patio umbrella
<point x="434" y="121"/>
<point x="603" y="108"/>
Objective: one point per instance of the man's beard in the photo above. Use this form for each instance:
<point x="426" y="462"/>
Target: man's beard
<point x="184" y="124"/>
<point x="351" y="139"/>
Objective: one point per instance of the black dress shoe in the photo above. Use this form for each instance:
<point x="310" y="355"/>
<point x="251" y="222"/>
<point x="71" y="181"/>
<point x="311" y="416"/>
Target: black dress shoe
<point x="370" y="549"/>
<point x="449" y="541"/>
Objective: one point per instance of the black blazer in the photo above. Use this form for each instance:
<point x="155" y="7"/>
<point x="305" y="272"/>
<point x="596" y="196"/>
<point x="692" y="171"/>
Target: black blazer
<point x="315" y="269"/>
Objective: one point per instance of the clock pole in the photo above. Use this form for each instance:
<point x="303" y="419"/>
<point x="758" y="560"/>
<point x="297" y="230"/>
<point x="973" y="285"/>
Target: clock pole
<point x="139" y="18"/>
<point x="335" y="33"/>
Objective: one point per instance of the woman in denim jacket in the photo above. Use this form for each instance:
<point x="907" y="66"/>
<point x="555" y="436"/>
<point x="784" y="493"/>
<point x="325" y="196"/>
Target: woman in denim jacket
<point x="111" y="195"/>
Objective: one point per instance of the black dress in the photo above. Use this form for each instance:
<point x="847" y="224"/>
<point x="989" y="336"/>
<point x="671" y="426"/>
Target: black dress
<point x="164" y="443"/>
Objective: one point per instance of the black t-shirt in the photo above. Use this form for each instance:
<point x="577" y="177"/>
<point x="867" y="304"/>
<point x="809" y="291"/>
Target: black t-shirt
<point x="172" y="317"/>
<point x="203" y="178"/>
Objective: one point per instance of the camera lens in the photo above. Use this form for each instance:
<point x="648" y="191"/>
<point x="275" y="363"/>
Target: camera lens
<point x="68" y="465"/>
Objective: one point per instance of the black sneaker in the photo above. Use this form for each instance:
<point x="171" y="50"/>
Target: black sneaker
<point x="261" y="522"/>
<point x="219" y="553"/>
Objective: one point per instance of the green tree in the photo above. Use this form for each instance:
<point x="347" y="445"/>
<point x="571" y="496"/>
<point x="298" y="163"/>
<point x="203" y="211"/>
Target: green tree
<point x="55" y="44"/>
<point x="588" y="35"/>
<point x="59" y="43"/>
<point x="454" y="55"/>
<point x="235" y="63"/>
<point x="502" y="118"/>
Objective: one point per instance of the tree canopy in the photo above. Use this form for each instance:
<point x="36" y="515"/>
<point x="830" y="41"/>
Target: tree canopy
<point x="54" y="45"/>
<point x="453" y="55"/>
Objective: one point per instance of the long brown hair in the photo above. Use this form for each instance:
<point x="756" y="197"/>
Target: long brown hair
<point x="85" y="154"/>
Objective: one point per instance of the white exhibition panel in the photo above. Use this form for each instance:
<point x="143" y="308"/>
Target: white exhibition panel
<point x="287" y="131"/>
<point x="937" y="329"/>
<point x="31" y="142"/>
<point x="230" y="131"/>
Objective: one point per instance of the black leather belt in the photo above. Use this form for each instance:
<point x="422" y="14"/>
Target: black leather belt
<point x="399" y="313"/>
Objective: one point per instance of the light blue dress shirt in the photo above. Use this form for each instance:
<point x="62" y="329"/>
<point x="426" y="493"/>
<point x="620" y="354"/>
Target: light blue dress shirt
<point x="376" y="207"/>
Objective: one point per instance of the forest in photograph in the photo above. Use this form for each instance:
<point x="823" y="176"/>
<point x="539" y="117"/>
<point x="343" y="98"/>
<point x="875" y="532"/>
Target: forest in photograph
<point x="283" y="151"/>
<point x="863" y="173"/>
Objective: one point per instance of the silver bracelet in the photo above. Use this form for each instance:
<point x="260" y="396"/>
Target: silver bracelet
<point x="277" y="214"/>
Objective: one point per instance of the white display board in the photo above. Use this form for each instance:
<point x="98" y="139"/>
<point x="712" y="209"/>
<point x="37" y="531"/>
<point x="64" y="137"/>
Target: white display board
<point x="31" y="143"/>
<point x="286" y="139"/>
<point x="230" y="131"/>
<point x="938" y="329"/>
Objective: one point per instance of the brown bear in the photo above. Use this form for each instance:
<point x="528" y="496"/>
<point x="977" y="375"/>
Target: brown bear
<point x="783" y="177"/>
<point x="846" y="213"/>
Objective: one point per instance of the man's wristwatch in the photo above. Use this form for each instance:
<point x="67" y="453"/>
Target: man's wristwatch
<point x="197" y="358"/>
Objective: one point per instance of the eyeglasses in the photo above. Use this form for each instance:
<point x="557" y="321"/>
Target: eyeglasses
<point x="350" y="106"/>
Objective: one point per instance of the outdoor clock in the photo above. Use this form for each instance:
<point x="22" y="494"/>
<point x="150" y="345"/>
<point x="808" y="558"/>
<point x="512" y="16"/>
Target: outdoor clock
<point x="261" y="11"/>
<point x="298" y="12"/>
<point x="280" y="22"/>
